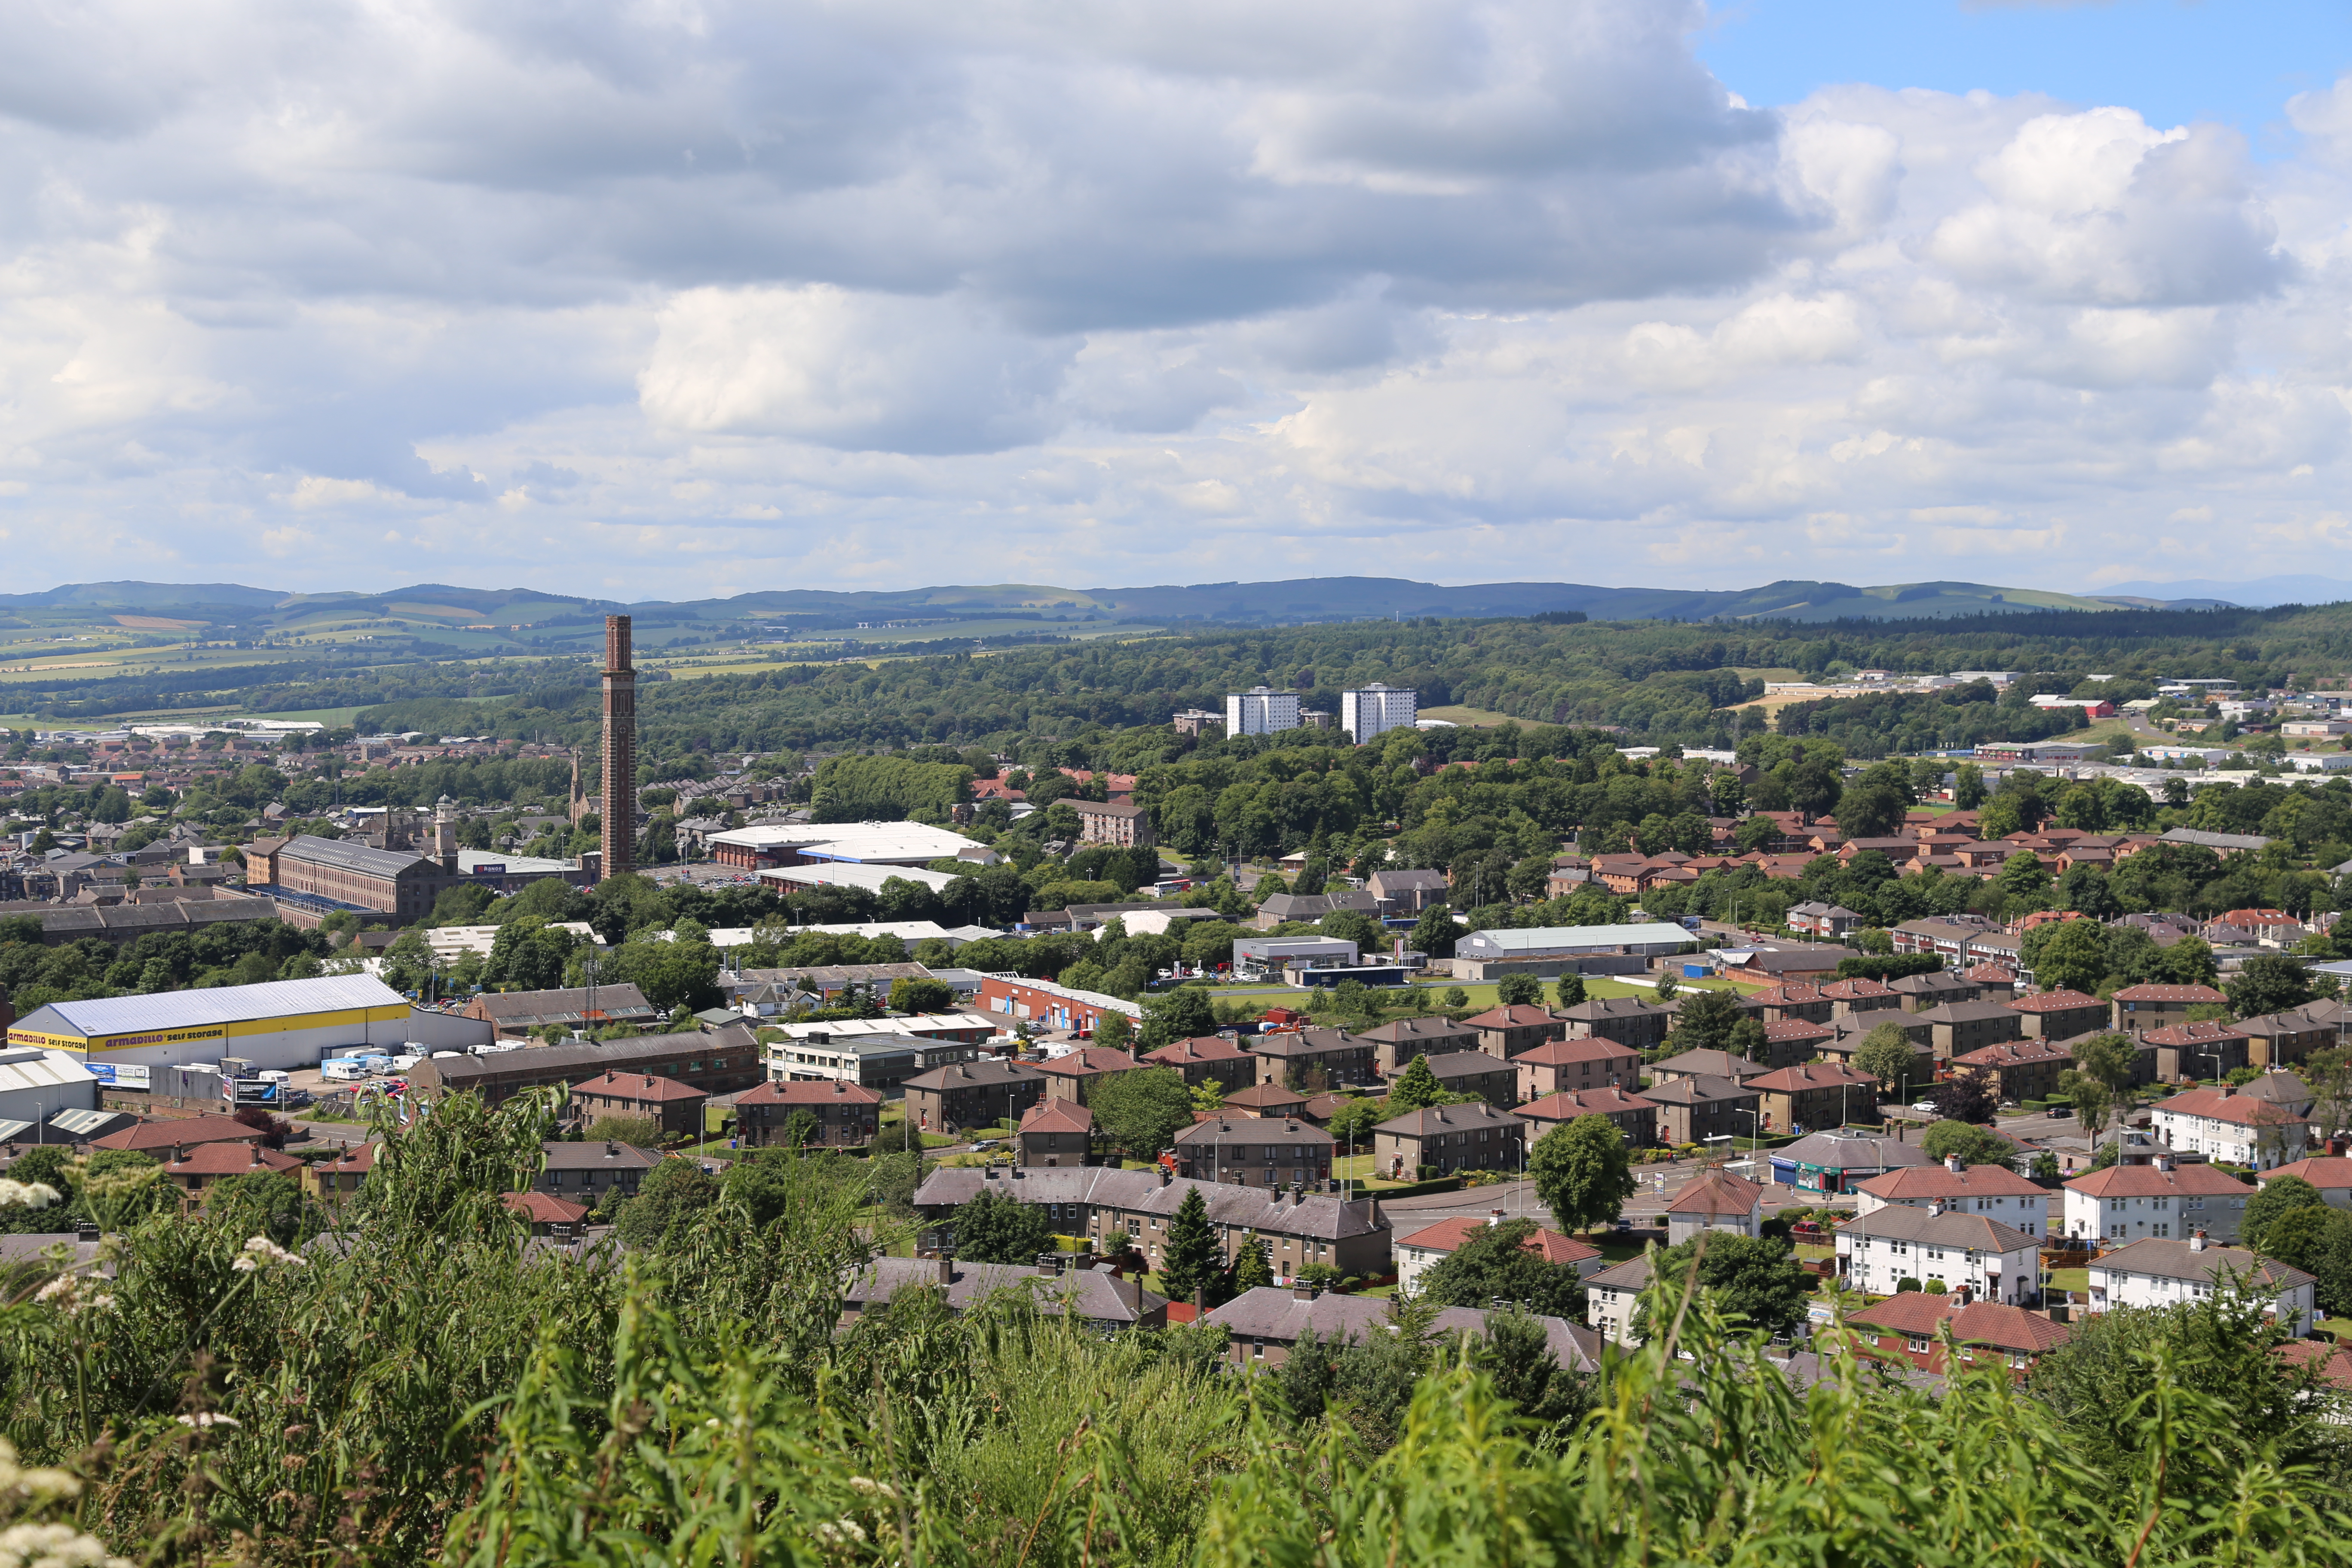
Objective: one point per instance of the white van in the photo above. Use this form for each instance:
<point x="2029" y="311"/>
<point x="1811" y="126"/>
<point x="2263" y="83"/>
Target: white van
<point x="342" y="1070"/>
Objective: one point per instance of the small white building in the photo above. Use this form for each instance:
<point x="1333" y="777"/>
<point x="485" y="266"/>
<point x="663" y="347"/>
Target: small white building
<point x="1996" y="1191"/>
<point x="1611" y="1296"/>
<point x="2222" y="1124"/>
<point x="1994" y="1262"/>
<point x="2158" y="1273"/>
<point x="1716" y="1201"/>
<point x="2164" y="1199"/>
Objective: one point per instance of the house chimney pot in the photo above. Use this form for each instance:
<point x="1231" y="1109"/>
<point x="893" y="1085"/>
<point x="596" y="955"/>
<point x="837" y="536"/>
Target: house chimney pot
<point x="1954" y="1164"/>
<point x="1935" y="1206"/>
<point x="2197" y="1241"/>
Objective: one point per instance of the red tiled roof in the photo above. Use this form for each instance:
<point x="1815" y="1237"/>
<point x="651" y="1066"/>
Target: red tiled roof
<point x="1448" y="1233"/>
<point x="2194" y="994"/>
<point x="2052" y="1002"/>
<point x="1516" y="1016"/>
<point x="1260" y="1095"/>
<point x="805" y="1093"/>
<point x="639" y="1086"/>
<point x="230" y="1160"/>
<point x="2004" y="1326"/>
<point x="1058" y="1116"/>
<point x="1906" y="1312"/>
<point x="1792" y="995"/>
<point x="1993" y="1323"/>
<point x="1914" y="1182"/>
<point x="1716" y="1193"/>
<point x="2014" y="1053"/>
<point x="1797" y="1029"/>
<point x="2327" y="1174"/>
<point x="2194" y="1179"/>
<point x="148" y="1136"/>
<point x="2331" y="1359"/>
<point x="1857" y="988"/>
<point x="2221" y="1105"/>
<point x="546" y="1208"/>
<point x="1088" y="1060"/>
<point x="2203" y="1033"/>
<point x="1808" y="1075"/>
<point x="1570" y="1103"/>
<point x="1588" y="1048"/>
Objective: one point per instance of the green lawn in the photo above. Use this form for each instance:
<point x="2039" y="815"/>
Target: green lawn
<point x="2078" y="1280"/>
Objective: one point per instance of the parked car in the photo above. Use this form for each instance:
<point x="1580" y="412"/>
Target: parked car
<point x="1926" y="1107"/>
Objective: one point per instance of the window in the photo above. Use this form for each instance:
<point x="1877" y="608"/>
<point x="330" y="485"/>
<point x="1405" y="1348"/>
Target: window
<point x="1916" y="1344"/>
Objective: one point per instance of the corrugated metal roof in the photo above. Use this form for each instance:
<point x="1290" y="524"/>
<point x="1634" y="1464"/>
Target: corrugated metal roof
<point x="32" y="1068"/>
<point x="221" y="1005"/>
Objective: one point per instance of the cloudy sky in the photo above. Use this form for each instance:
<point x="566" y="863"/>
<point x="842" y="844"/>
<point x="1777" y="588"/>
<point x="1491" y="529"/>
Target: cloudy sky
<point x="670" y="299"/>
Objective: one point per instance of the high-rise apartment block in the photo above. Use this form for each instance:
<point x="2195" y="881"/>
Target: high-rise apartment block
<point x="1260" y="711"/>
<point x="1378" y="709"/>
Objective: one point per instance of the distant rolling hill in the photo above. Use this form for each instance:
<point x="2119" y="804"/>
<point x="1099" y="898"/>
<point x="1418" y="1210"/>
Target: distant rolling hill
<point x="1299" y="600"/>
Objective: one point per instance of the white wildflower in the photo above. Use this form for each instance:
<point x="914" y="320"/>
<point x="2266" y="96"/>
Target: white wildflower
<point x="27" y="1195"/>
<point x="871" y="1486"/>
<point x="260" y="1252"/>
<point x="843" y="1532"/>
<point x="206" y="1418"/>
<point x="68" y="1293"/>
<point x="53" y="1546"/>
<point x="39" y="1483"/>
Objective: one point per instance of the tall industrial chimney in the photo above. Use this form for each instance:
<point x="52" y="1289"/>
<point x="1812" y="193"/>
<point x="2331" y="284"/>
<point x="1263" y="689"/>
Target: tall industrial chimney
<point x="620" y="751"/>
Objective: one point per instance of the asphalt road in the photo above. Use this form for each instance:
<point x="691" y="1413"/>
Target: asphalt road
<point x="1660" y="1184"/>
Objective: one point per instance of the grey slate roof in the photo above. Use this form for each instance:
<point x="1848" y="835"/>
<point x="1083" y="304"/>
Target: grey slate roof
<point x="1467" y="1064"/>
<point x="1964" y="1230"/>
<point x="1271" y="1312"/>
<point x="1255" y="1129"/>
<point x="1966" y="1012"/>
<point x="974" y="1075"/>
<point x="1433" y="1120"/>
<point x="1697" y="1090"/>
<point x="1403" y="1031"/>
<point x="1847" y="1152"/>
<point x="1317" y="1216"/>
<point x="1711" y="1064"/>
<point x="599" y="1156"/>
<point x="589" y="1060"/>
<point x="1096" y="1294"/>
<point x="311" y="850"/>
<point x="1307" y="1043"/>
<point x="527" y="1008"/>
<point x="2179" y="1261"/>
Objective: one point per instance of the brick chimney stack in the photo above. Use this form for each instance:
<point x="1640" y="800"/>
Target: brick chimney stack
<point x="620" y="842"/>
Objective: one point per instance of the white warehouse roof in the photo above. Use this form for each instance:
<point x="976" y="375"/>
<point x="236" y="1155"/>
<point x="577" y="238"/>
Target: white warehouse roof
<point x="31" y="1067"/>
<point x="873" y="842"/>
<point x="220" y="1005"/>
<point x="1569" y="939"/>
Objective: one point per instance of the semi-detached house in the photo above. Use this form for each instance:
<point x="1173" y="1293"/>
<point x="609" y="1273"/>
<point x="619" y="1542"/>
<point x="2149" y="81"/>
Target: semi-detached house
<point x="2165" y="1199"/>
<point x="1300" y="1227"/>
<point x="2222" y="1124"/>
<point x="1994" y="1262"/>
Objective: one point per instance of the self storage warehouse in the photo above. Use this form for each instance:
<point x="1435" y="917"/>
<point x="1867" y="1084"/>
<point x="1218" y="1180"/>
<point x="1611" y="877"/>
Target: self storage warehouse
<point x="280" y="1024"/>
